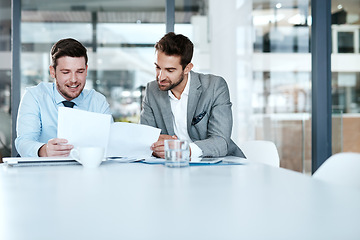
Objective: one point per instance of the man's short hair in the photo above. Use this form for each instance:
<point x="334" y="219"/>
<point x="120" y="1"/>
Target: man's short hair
<point x="67" y="47"/>
<point x="176" y="44"/>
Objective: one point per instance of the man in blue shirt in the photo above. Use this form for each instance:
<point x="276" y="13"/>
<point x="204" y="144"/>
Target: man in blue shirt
<point x="38" y="110"/>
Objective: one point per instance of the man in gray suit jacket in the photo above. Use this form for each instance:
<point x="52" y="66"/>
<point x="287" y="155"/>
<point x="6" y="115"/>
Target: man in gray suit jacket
<point x="188" y="105"/>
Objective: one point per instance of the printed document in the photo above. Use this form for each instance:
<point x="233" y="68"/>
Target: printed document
<point x="120" y="139"/>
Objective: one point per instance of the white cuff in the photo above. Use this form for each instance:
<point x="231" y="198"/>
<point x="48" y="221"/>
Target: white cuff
<point x="195" y="150"/>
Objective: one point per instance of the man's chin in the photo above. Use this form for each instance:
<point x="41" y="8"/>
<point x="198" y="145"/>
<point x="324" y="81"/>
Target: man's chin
<point x="73" y="95"/>
<point x="164" y="88"/>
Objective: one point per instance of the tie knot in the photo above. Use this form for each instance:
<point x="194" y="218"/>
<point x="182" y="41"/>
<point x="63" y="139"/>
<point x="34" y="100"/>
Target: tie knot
<point x="68" y="104"/>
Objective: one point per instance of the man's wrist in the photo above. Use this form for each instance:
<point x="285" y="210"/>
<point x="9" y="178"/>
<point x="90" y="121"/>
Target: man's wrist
<point x="42" y="151"/>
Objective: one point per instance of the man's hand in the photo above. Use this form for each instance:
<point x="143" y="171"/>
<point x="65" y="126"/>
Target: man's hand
<point x="55" y="147"/>
<point x="158" y="147"/>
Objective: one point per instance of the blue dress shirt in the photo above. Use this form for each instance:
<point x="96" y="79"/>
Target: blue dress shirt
<point x="38" y="115"/>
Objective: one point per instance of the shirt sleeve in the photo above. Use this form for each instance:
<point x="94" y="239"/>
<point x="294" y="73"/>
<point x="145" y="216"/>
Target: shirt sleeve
<point x="28" y="127"/>
<point x="195" y="150"/>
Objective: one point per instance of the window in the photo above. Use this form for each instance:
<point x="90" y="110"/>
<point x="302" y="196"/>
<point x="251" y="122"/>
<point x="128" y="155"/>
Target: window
<point x="345" y="76"/>
<point x="5" y="78"/>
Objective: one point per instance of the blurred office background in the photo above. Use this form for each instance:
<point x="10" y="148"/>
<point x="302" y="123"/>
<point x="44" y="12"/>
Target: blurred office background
<point x="261" y="47"/>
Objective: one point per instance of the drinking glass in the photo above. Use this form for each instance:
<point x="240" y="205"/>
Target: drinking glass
<point x="177" y="153"/>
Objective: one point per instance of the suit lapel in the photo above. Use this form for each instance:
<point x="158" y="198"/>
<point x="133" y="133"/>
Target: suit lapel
<point x="194" y="95"/>
<point x="166" y="111"/>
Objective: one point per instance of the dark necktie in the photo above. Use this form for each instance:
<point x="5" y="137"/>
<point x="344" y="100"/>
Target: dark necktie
<point x="68" y="104"/>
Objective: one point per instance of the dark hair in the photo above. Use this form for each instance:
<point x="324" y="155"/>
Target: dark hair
<point x="67" y="47"/>
<point x="176" y="44"/>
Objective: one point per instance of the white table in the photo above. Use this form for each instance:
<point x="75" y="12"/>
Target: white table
<point x="142" y="201"/>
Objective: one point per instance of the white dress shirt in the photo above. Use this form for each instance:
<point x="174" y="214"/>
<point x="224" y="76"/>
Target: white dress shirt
<point x="179" y="111"/>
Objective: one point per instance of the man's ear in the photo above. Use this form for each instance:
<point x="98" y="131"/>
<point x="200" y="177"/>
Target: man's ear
<point x="52" y="72"/>
<point x="188" y="68"/>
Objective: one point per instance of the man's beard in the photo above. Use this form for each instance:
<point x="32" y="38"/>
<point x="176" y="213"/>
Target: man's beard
<point x="172" y="85"/>
<point x="66" y="94"/>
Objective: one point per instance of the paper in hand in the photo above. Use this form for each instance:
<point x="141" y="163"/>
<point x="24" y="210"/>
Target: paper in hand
<point x="120" y="139"/>
<point x="82" y="128"/>
<point x="131" y="140"/>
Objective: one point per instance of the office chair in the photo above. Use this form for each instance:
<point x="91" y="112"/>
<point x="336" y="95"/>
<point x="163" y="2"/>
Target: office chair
<point x="341" y="169"/>
<point x="261" y="151"/>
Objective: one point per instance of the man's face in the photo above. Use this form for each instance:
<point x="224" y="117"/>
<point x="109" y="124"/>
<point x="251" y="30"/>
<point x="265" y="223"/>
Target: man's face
<point x="169" y="72"/>
<point x="70" y="75"/>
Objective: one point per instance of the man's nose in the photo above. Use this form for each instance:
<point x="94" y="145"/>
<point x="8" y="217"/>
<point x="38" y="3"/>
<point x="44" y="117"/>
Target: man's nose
<point x="161" y="75"/>
<point x="73" y="78"/>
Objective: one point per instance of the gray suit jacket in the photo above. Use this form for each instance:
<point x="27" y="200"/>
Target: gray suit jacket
<point x="209" y="116"/>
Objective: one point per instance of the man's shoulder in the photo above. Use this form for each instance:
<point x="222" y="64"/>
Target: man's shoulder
<point x="93" y="94"/>
<point x="152" y="86"/>
<point x="41" y="86"/>
<point x="40" y="89"/>
<point x="209" y="80"/>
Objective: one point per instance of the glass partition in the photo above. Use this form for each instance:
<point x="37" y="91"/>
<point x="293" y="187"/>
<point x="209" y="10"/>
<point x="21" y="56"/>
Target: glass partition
<point x="5" y="78"/>
<point x="262" y="50"/>
<point x="119" y="37"/>
<point x="345" y="76"/>
<point x="337" y="132"/>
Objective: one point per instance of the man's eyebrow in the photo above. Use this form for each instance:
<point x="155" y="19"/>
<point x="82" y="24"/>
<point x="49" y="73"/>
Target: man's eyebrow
<point x="168" y="68"/>
<point x="66" y="69"/>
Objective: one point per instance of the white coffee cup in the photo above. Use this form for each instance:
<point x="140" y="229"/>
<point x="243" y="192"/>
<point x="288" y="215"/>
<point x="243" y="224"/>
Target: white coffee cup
<point x="89" y="157"/>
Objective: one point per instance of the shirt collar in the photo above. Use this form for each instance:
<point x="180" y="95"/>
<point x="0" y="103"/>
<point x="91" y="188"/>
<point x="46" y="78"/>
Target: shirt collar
<point x="185" y="92"/>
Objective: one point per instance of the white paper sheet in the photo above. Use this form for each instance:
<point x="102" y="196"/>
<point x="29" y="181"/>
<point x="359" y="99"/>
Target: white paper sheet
<point x="120" y="139"/>
<point x="131" y="140"/>
<point x="83" y="128"/>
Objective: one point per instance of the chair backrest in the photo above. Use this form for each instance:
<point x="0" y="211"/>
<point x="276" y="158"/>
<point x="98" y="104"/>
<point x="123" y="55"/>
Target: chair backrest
<point x="261" y="151"/>
<point x="341" y="169"/>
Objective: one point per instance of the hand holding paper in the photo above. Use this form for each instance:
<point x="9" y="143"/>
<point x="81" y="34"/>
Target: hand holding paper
<point x="82" y="128"/>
